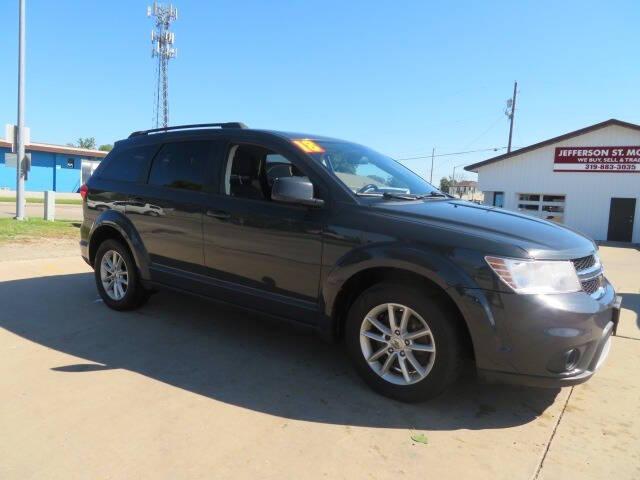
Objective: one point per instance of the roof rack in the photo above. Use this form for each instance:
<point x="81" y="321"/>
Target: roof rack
<point x="189" y="127"/>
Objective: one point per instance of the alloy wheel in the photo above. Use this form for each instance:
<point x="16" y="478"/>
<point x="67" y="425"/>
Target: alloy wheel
<point x="114" y="275"/>
<point x="397" y="344"/>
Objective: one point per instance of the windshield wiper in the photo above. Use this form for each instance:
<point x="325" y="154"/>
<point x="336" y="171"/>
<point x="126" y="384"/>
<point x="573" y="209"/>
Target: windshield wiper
<point x="410" y="196"/>
<point x="402" y="196"/>
<point x="436" y="194"/>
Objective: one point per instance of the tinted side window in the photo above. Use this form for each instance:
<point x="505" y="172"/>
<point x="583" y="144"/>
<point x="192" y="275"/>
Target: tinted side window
<point x="181" y="165"/>
<point x="127" y="165"/>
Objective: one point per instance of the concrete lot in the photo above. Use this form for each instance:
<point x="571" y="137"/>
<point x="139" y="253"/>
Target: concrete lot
<point x="184" y="388"/>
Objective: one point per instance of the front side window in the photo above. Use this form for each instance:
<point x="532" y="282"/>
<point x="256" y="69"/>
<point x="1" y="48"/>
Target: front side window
<point x="181" y="165"/>
<point x="252" y="169"/>
<point x="366" y="172"/>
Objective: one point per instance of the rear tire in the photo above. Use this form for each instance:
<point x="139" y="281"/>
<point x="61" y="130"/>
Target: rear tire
<point x="413" y="363"/>
<point x="117" y="277"/>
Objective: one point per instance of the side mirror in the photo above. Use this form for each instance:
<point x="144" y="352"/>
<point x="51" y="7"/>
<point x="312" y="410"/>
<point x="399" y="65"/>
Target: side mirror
<point x="294" y="190"/>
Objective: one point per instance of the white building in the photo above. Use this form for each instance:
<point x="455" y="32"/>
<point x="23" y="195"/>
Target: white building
<point x="467" y="190"/>
<point x="588" y="180"/>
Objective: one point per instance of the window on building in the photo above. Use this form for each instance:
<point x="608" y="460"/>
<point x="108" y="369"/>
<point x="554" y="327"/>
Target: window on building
<point x="529" y="197"/>
<point x="524" y="206"/>
<point x="127" y="165"/>
<point x="549" y="207"/>
<point x="180" y="165"/>
<point x="498" y="199"/>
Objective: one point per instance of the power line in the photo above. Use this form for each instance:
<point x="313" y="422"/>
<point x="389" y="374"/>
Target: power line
<point x="494" y="149"/>
<point x="484" y="133"/>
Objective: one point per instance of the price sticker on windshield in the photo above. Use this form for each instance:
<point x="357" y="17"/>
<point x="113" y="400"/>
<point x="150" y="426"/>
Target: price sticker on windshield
<point x="308" y="146"/>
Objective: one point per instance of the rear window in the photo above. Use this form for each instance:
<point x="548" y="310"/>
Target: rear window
<point x="128" y="165"/>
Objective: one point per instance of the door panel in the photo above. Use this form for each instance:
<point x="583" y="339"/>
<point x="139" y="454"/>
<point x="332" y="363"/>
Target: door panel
<point x="170" y="225"/>
<point x="270" y="250"/>
<point x="272" y="247"/>
<point x="621" y="216"/>
<point x="167" y="210"/>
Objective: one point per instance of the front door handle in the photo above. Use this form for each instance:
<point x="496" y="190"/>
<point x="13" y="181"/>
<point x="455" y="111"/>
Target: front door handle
<point x="219" y="214"/>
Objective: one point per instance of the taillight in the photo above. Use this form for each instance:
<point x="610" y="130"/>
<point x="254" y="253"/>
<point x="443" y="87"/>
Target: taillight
<point x="84" y="191"/>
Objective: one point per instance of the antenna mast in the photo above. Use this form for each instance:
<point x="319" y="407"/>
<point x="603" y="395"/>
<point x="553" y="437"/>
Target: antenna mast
<point x="162" y="40"/>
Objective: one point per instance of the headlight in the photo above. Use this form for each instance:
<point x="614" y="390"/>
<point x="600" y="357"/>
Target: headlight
<point x="536" y="276"/>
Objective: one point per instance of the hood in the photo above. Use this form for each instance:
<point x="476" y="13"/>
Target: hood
<point x="539" y="238"/>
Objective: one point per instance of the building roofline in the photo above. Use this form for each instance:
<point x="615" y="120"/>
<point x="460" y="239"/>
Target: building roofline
<point x="612" y="121"/>
<point x="47" y="147"/>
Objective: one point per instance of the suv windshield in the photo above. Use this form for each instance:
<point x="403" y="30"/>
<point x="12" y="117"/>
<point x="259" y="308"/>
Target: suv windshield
<point x="370" y="173"/>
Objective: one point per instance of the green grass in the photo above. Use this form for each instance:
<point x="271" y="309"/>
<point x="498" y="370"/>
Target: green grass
<point x="33" y="229"/>
<point x="59" y="201"/>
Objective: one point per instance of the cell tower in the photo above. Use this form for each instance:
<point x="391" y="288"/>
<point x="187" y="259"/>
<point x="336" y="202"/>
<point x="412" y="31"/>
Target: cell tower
<point x="162" y="40"/>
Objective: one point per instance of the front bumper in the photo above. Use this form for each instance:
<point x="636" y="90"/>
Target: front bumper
<point x="571" y="378"/>
<point x="534" y="334"/>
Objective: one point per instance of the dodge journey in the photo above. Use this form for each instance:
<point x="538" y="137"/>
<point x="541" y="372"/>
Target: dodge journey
<point x="351" y="243"/>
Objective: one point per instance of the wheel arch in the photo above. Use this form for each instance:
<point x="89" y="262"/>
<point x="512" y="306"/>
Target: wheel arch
<point x="432" y="272"/>
<point x="114" y="225"/>
<point x="369" y="277"/>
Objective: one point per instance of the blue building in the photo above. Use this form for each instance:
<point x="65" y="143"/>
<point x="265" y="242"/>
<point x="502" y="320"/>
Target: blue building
<point x="53" y="167"/>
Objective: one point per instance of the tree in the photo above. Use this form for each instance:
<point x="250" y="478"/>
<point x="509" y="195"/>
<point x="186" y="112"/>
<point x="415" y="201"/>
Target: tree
<point x="445" y="183"/>
<point x="107" y="147"/>
<point x="89" y="143"/>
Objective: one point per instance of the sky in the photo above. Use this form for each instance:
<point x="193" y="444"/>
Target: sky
<point x="400" y="77"/>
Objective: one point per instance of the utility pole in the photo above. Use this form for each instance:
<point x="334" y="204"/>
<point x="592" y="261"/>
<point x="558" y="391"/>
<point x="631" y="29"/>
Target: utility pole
<point x="20" y="137"/>
<point x="511" y="104"/>
<point x="433" y="153"/>
<point x="453" y="178"/>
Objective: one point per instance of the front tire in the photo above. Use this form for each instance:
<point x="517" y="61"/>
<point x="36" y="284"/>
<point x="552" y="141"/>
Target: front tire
<point x="117" y="277"/>
<point x="404" y="344"/>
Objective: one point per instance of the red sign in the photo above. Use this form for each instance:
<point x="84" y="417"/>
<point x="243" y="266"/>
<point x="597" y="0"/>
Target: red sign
<point x="597" y="159"/>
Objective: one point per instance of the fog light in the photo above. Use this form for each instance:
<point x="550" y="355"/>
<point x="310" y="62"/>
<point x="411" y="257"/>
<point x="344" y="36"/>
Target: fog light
<point x="571" y="359"/>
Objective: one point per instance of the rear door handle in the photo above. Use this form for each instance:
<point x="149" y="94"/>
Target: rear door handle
<point x="219" y="214"/>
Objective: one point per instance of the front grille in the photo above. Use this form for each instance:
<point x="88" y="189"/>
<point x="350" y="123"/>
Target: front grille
<point x="585" y="268"/>
<point x="584" y="263"/>
<point x="591" y="286"/>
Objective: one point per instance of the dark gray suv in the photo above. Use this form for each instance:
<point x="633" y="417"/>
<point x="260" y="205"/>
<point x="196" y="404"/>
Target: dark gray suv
<point x="345" y="240"/>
